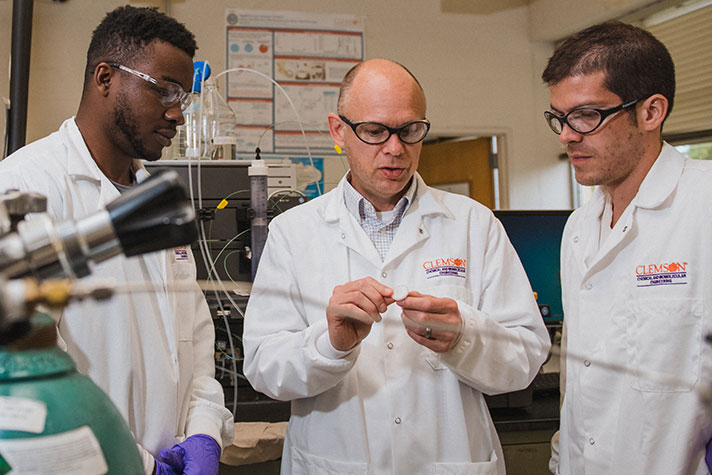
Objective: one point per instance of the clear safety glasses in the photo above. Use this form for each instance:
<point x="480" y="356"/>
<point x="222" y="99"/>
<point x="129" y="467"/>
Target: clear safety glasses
<point x="374" y="133"/>
<point x="584" y="120"/>
<point x="169" y="93"/>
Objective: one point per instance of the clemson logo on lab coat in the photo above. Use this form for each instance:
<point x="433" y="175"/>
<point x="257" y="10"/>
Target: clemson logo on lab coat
<point x="445" y="267"/>
<point x="180" y="253"/>
<point x="666" y="273"/>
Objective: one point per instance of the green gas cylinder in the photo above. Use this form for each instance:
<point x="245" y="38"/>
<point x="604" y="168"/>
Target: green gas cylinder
<point x="54" y="420"/>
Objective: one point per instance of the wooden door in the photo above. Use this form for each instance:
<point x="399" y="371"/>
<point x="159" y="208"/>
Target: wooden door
<point x="460" y="163"/>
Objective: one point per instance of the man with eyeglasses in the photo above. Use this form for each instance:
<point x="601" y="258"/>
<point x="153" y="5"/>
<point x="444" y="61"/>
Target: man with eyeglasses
<point x="151" y="352"/>
<point x="385" y="309"/>
<point x="635" y="264"/>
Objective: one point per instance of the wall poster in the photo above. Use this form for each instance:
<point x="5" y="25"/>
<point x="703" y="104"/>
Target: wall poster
<point x="307" y="55"/>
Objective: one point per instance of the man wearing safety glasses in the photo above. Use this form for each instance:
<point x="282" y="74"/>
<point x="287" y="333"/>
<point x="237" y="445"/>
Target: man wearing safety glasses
<point x="635" y="264"/>
<point x="386" y="308"/>
<point x="151" y="352"/>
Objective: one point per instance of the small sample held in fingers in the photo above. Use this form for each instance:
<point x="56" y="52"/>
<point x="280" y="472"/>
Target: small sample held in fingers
<point x="400" y="292"/>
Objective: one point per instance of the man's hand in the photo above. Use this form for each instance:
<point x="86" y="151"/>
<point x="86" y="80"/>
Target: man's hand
<point x="353" y="308"/>
<point x="199" y="454"/>
<point x="431" y="321"/>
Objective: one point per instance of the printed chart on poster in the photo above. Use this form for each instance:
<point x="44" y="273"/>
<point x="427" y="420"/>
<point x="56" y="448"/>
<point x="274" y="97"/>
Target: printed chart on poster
<point x="307" y="55"/>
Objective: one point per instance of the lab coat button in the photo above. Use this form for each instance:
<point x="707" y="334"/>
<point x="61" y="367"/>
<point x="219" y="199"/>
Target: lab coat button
<point x="343" y="236"/>
<point x="586" y="363"/>
<point x="591" y="441"/>
<point x="384" y="275"/>
<point x="575" y="238"/>
<point x="389" y="346"/>
<point x="589" y="286"/>
<point x="625" y="228"/>
<point x="421" y="231"/>
<point x="398" y="420"/>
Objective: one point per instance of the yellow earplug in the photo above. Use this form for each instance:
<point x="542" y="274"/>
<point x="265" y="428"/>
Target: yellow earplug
<point x="222" y="204"/>
<point x="337" y="148"/>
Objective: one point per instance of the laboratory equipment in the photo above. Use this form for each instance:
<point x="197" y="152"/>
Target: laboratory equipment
<point x="258" y="203"/>
<point x="220" y="124"/>
<point x="209" y="129"/>
<point x="221" y="191"/>
<point x="53" y="419"/>
<point x="190" y="137"/>
<point x="153" y="215"/>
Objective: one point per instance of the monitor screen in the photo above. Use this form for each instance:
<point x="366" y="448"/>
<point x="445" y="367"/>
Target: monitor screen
<point x="536" y="236"/>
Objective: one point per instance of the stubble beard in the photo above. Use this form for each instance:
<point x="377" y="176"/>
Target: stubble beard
<point x="124" y="121"/>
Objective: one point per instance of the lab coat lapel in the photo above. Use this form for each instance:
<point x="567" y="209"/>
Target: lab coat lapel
<point x="86" y="169"/>
<point x="589" y="256"/>
<point x="346" y="228"/>
<point x="619" y="237"/>
<point x="355" y="238"/>
<point x="413" y="229"/>
<point x="410" y="232"/>
<point x="585" y="242"/>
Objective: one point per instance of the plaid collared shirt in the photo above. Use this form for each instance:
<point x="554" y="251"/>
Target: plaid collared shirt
<point x="380" y="232"/>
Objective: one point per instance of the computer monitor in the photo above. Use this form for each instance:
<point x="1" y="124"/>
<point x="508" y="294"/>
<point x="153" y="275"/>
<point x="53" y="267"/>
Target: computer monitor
<point x="536" y="236"/>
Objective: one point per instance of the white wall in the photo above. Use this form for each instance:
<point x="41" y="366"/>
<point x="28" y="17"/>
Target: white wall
<point x="552" y="20"/>
<point x="480" y="72"/>
<point x="60" y="37"/>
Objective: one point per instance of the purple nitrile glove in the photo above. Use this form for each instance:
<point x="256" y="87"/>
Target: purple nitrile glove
<point x="163" y="469"/>
<point x="199" y="454"/>
<point x="708" y="456"/>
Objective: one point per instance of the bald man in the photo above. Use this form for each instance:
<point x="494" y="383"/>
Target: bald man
<point x="385" y="309"/>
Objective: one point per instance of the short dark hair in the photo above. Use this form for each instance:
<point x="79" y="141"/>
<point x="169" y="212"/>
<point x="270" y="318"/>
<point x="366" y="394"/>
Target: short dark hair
<point x="349" y="78"/>
<point x="125" y="31"/>
<point x="636" y="64"/>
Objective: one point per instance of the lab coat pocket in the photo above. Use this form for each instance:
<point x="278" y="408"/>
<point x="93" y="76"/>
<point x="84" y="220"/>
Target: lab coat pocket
<point x="309" y="464"/>
<point x="434" y="361"/>
<point x="664" y="338"/>
<point x="471" y="468"/>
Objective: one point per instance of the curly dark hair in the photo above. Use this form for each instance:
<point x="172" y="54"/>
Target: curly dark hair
<point x="124" y="33"/>
<point x="636" y="64"/>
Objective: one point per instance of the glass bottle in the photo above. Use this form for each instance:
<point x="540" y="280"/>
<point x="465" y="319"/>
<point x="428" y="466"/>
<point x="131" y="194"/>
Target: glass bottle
<point x="220" y="121"/>
<point x="192" y="136"/>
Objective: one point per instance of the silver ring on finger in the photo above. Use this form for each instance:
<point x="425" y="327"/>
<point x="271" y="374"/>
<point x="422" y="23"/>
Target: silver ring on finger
<point x="428" y="333"/>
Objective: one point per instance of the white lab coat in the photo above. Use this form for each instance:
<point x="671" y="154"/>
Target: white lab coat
<point x="621" y="310"/>
<point x="151" y="352"/>
<point x="391" y="405"/>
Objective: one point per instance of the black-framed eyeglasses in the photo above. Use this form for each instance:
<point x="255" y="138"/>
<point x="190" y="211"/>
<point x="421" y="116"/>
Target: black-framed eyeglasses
<point x="584" y="120"/>
<point x="375" y="133"/>
<point x="169" y="93"/>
